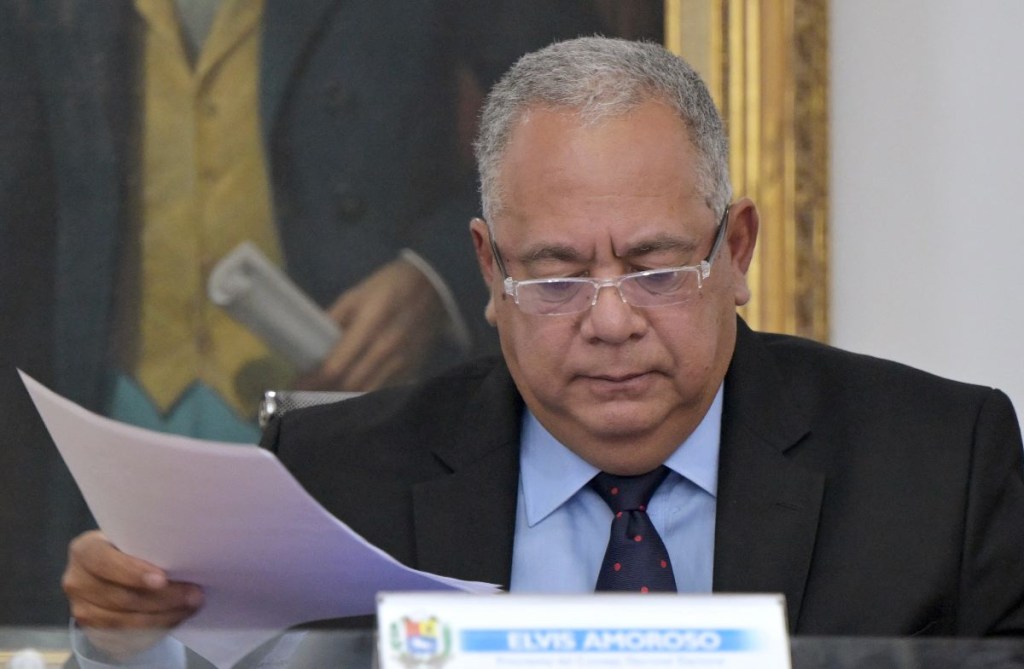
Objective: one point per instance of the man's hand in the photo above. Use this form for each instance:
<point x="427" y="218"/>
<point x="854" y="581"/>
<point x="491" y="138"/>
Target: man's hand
<point x="124" y="604"/>
<point x="389" y="322"/>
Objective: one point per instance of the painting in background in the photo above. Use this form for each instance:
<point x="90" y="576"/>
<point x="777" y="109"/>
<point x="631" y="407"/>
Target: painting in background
<point x="143" y="139"/>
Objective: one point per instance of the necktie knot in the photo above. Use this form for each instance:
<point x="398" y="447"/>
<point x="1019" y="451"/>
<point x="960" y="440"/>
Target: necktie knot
<point x="636" y="559"/>
<point x="628" y="493"/>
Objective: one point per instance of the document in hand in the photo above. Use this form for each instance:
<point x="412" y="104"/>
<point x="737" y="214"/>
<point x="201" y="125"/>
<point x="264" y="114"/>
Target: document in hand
<point x="230" y="518"/>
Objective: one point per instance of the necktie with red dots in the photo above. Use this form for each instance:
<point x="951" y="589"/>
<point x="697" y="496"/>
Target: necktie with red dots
<point x="636" y="560"/>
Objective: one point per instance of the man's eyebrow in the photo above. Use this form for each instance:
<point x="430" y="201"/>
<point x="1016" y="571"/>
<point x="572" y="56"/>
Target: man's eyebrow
<point x="542" y="252"/>
<point x="659" y="244"/>
<point x="568" y="254"/>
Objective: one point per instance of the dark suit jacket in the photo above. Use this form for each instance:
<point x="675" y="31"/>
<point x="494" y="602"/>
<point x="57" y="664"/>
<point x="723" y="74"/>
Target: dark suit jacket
<point x="879" y="499"/>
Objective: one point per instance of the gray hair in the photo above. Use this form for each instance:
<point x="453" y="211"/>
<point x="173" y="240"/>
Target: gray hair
<point x="601" y="78"/>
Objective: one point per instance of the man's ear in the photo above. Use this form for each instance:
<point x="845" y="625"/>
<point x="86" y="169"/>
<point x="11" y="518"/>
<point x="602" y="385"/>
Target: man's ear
<point x="744" y="222"/>
<point x="485" y="259"/>
<point x="482" y="245"/>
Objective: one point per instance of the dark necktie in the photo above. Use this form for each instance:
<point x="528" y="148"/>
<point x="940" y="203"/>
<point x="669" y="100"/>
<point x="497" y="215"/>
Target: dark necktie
<point x="636" y="560"/>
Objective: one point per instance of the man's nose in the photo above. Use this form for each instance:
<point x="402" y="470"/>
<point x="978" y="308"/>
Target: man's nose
<point x="612" y="319"/>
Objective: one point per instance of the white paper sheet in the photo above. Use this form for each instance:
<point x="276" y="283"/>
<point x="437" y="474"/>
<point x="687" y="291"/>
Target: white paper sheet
<point x="229" y="517"/>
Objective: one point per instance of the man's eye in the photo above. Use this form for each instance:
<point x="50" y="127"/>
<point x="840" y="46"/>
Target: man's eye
<point x="662" y="282"/>
<point x="558" y="291"/>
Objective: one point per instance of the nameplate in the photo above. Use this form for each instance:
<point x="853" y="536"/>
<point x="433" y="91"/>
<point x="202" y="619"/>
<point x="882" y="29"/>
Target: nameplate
<point x="456" y="630"/>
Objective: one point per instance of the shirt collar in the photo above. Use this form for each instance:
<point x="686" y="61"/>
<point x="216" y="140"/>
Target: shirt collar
<point x="551" y="473"/>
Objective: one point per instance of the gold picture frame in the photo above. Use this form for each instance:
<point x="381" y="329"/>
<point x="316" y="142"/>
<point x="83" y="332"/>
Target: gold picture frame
<point x="766" y="63"/>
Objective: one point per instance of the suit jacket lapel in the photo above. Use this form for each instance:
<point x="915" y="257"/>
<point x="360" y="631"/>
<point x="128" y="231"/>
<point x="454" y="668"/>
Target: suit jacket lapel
<point x="287" y="29"/>
<point x="768" y="508"/>
<point x="465" y="521"/>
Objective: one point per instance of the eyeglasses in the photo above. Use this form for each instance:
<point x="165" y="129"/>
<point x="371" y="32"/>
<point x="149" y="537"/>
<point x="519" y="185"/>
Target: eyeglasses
<point x="651" y="288"/>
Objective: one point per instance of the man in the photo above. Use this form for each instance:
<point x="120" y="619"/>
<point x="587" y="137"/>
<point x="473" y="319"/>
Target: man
<point x="879" y="499"/>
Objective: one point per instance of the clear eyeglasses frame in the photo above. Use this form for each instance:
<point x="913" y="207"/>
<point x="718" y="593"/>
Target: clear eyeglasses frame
<point x="651" y="288"/>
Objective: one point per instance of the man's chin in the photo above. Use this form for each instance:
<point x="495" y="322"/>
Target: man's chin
<point x="623" y="420"/>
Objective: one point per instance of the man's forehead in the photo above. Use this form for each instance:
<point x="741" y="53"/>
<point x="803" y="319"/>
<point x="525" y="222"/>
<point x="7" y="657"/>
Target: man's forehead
<point x="627" y="184"/>
<point x="648" y="148"/>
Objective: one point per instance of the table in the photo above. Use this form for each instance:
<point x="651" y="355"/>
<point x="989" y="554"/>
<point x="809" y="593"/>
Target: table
<point x="352" y="649"/>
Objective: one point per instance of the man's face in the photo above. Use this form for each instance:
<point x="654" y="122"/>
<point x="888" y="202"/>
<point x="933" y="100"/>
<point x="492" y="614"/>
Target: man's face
<point x="621" y="386"/>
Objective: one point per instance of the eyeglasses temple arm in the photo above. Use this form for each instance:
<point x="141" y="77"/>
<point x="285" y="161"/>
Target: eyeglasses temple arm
<point x="496" y="254"/>
<point x="719" y="236"/>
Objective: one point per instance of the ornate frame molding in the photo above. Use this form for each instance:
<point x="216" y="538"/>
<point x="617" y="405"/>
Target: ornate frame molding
<point x="766" y="63"/>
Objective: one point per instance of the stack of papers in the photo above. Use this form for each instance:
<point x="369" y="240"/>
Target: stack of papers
<point x="230" y="518"/>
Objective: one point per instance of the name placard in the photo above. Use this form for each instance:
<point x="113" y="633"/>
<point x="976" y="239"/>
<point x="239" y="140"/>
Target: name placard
<point x="456" y="630"/>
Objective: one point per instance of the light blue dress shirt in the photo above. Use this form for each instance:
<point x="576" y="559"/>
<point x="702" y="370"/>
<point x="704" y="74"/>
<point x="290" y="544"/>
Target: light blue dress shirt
<point x="562" y="525"/>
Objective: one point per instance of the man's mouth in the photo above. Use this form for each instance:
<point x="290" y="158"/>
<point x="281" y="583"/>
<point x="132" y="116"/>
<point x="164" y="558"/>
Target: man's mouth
<point x="618" y="383"/>
<point x="617" y="378"/>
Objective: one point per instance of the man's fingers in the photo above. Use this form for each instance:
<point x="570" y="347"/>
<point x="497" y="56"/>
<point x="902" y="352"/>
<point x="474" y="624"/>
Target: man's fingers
<point x="109" y="589"/>
<point x="333" y="372"/>
<point x="92" y="599"/>
<point x="93" y="555"/>
<point x="344" y="308"/>
<point x="144" y="614"/>
<point x="127" y="597"/>
<point x="328" y="375"/>
<point x="389" y="321"/>
<point x="358" y="338"/>
<point x="386" y="358"/>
